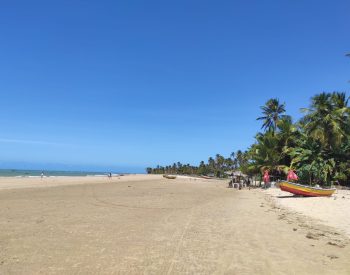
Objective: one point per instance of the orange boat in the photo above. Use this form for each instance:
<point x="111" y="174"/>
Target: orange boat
<point x="304" y="190"/>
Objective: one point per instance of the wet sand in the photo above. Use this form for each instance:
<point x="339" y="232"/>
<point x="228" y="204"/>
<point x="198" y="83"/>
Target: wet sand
<point x="150" y="225"/>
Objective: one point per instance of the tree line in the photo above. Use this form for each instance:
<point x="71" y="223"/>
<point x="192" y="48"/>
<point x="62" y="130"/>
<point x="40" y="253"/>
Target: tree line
<point x="317" y="146"/>
<point x="215" y="166"/>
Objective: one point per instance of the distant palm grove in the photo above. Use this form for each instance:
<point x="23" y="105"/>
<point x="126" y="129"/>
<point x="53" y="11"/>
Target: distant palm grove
<point x="317" y="146"/>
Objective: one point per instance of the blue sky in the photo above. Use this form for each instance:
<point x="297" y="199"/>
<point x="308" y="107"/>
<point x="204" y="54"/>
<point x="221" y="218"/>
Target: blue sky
<point x="127" y="84"/>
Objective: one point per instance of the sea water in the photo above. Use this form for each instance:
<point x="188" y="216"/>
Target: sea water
<point x="47" y="173"/>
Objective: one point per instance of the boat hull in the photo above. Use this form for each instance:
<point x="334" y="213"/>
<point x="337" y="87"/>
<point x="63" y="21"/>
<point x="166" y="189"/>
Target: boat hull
<point x="303" y="190"/>
<point x="169" y="177"/>
<point x="207" y="177"/>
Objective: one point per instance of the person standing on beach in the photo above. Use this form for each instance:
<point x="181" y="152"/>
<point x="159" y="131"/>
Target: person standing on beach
<point x="266" y="179"/>
<point x="42" y="175"/>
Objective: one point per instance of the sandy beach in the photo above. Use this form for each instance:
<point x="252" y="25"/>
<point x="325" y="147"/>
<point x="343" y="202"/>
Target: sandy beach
<point x="332" y="211"/>
<point x="141" y="224"/>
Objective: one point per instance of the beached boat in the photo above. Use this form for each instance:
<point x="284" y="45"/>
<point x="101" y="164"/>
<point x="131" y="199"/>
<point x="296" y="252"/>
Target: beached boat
<point x="304" y="190"/>
<point x="206" y="177"/>
<point x="169" y="177"/>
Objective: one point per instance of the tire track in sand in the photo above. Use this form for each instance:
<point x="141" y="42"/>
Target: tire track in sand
<point x="180" y="242"/>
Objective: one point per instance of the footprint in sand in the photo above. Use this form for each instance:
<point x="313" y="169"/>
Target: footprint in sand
<point x="332" y="257"/>
<point x="341" y="245"/>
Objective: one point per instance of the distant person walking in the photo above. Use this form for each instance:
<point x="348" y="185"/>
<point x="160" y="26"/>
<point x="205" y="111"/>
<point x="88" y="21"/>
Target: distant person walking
<point x="42" y="175"/>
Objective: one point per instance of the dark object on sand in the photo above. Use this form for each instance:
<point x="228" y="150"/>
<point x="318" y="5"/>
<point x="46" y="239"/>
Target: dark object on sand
<point x="169" y="177"/>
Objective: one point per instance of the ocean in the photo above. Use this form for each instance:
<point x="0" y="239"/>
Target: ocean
<point x="47" y="173"/>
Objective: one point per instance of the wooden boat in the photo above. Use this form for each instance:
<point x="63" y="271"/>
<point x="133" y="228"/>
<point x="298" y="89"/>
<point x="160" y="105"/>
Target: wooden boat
<point x="169" y="177"/>
<point x="206" y="177"/>
<point x="304" y="190"/>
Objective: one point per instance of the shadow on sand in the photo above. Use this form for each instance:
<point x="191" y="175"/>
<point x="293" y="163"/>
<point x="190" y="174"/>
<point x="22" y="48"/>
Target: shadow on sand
<point x="290" y="196"/>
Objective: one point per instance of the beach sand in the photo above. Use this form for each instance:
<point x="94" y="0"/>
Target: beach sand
<point x="32" y="182"/>
<point x="150" y="225"/>
<point x="333" y="211"/>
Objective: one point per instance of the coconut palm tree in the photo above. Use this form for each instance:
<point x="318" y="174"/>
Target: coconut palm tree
<point x="342" y="158"/>
<point x="219" y="163"/>
<point x="202" y="169"/>
<point x="211" y="165"/>
<point x="287" y="131"/>
<point x="266" y="153"/>
<point x="273" y="111"/>
<point x="327" y="118"/>
<point x="313" y="163"/>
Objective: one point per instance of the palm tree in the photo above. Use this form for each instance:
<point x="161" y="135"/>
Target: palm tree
<point x="266" y="154"/>
<point x="288" y="132"/>
<point x="342" y="158"/>
<point x="327" y="118"/>
<point x="211" y="165"/>
<point x="228" y="164"/>
<point x="202" y="169"/>
<point x="219" y="162"/>
<point x="240" y="158"/>
<point x="272" y="112"/>
<point x="314" y="164"/>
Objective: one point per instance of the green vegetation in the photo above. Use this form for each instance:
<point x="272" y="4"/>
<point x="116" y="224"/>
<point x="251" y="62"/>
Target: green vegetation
<point x="317" y="146"/>
<point x="215" y="166"/>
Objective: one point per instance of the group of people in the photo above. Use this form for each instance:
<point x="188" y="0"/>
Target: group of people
<point x="241" y="183"/>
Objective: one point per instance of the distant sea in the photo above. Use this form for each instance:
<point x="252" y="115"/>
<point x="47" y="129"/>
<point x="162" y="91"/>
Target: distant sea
<point x="48" y="173"/>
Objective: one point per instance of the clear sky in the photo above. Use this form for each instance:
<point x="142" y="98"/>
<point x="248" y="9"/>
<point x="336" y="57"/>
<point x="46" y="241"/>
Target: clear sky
<point x="127" y="84"/>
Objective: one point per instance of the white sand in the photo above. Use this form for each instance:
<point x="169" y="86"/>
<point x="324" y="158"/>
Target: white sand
<point x="332" y="211"/>
<point x="33" y="182"/>
<point x="142" y="224"/>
